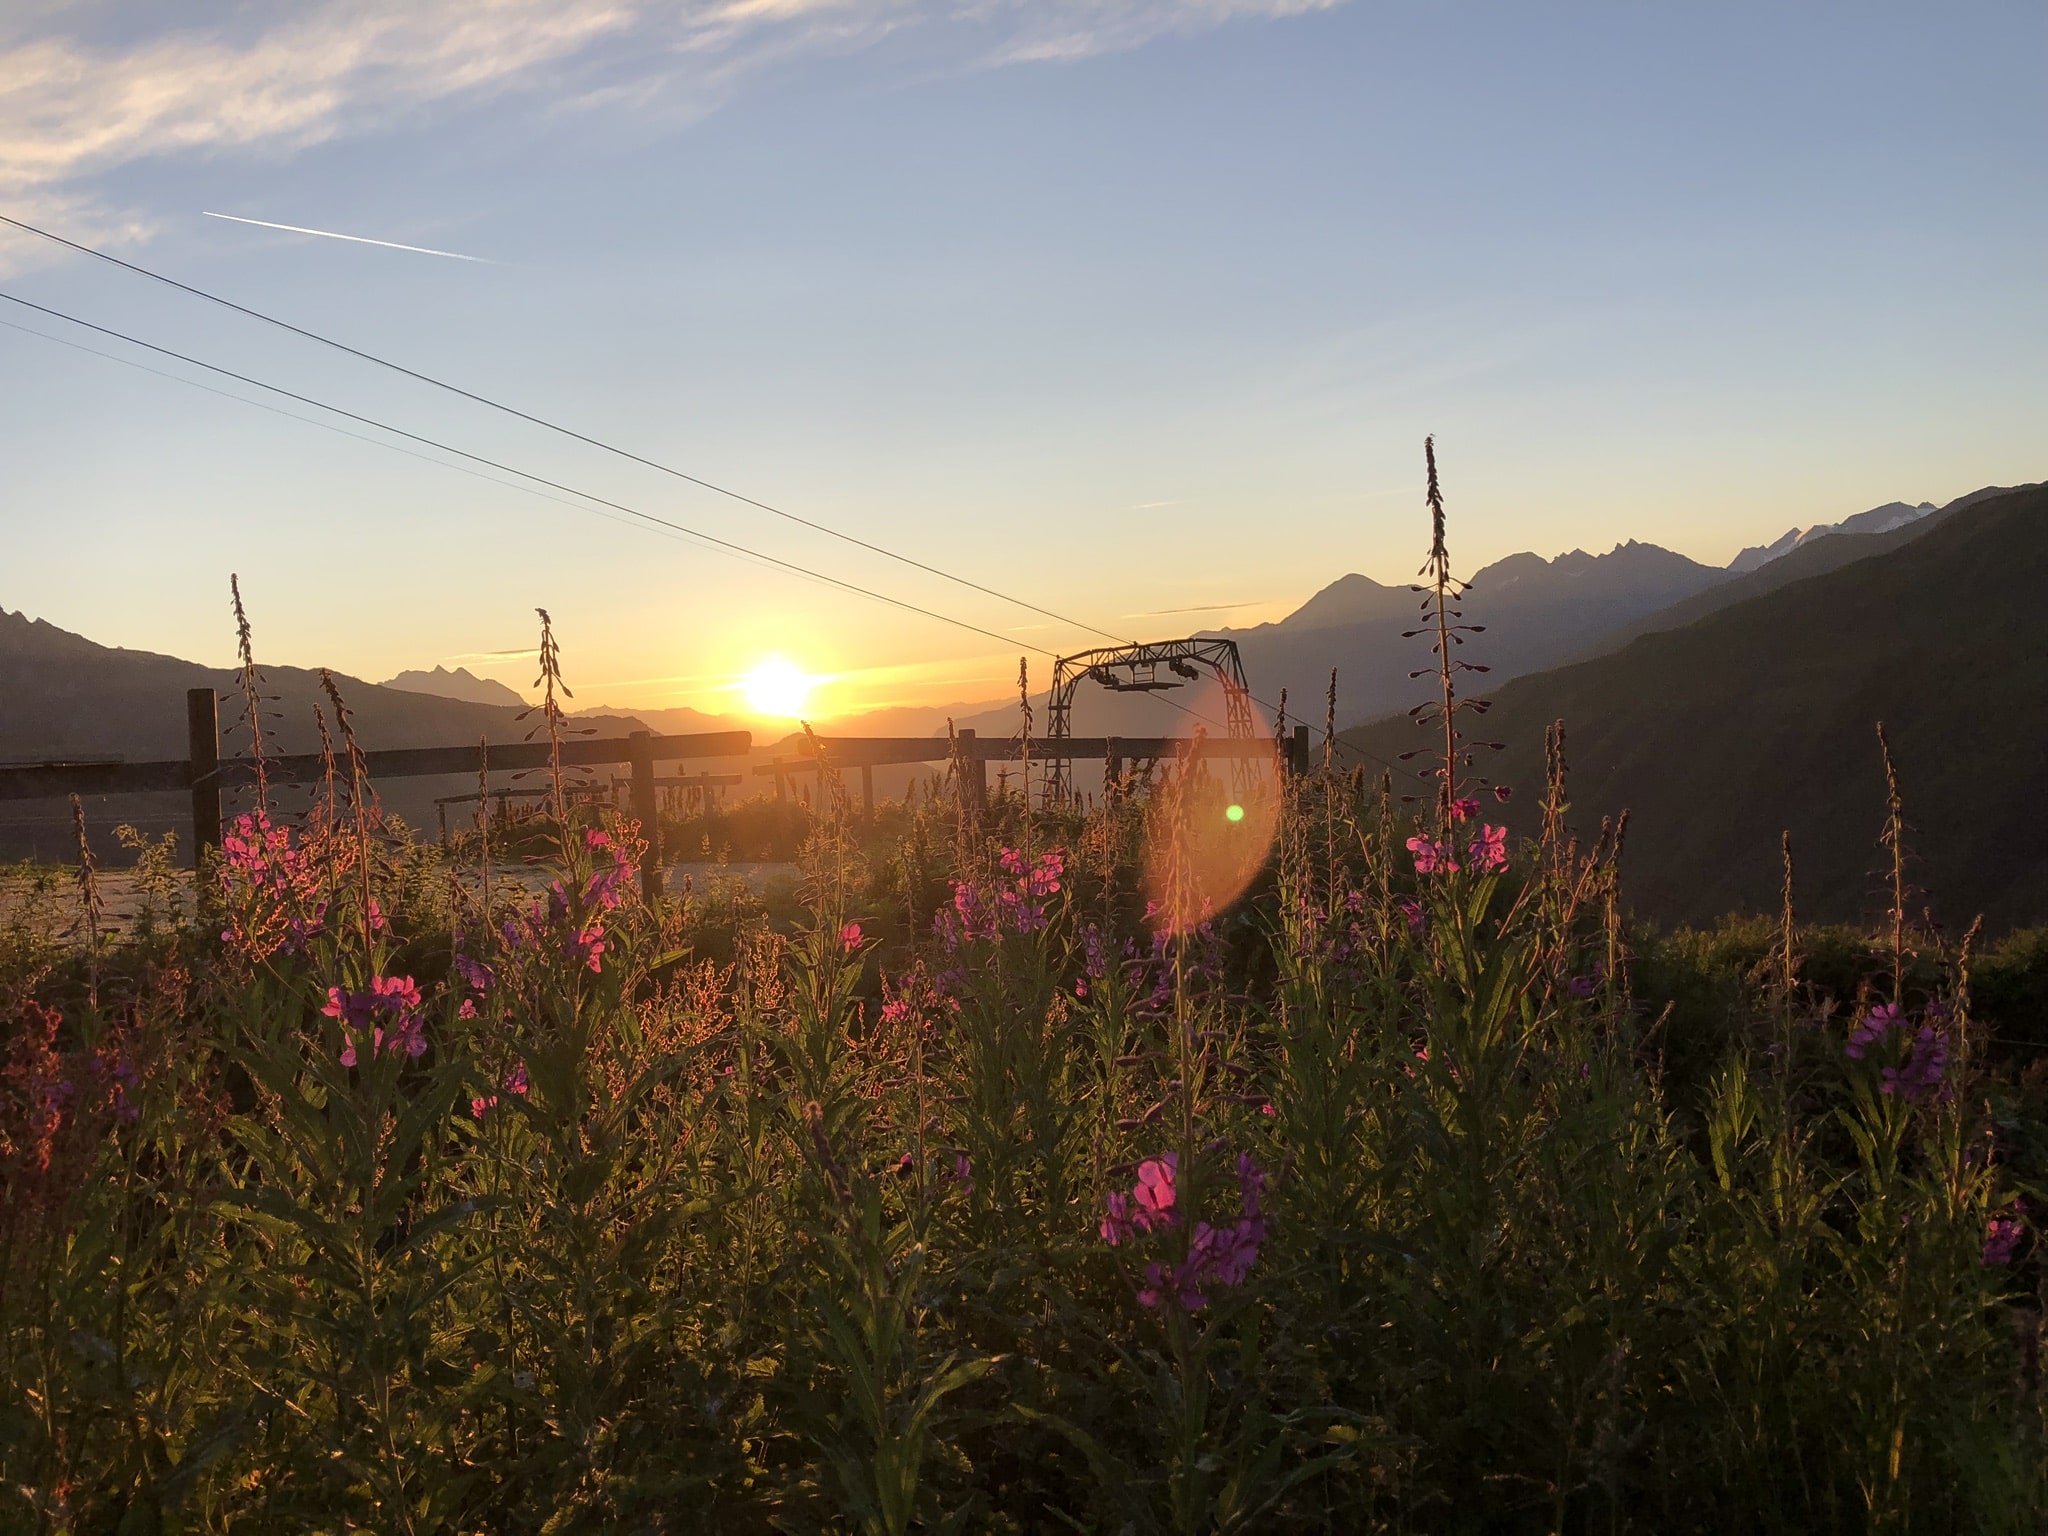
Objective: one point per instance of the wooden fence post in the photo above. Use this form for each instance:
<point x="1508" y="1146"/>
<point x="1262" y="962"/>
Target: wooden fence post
<point x="973" y="773"/>
<point x="867" y="790"/>
<point x="202" y="727"/>
<point x="641" y="745"/>
<point x="1297" y="752"/>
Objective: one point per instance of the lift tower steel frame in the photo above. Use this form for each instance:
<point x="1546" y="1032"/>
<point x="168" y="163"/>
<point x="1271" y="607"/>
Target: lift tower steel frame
<point x="1136" y="669"/>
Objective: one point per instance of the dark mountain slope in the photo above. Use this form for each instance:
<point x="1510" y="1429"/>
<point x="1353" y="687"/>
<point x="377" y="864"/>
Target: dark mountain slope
<point x="1761" y="717"/>
<point x="1816" y="557"/>
<point x="63" y="696"/>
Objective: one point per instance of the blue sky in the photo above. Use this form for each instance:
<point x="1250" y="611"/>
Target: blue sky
<point x="1120" y="305"/>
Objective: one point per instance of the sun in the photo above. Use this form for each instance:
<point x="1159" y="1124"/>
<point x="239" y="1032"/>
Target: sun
<point x="777" y="688"/>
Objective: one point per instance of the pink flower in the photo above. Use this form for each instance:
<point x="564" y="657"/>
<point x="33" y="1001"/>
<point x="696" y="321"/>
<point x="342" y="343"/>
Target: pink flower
<point x="1464" y="810"/>
<point x="1490" y="848"/>
<point x="467" y="1010"/>
<point x="1432" y="856"/>
<point x="849" y="937"/>
<point x="393" y="997"/>
<point x="1502" y="792"/>
<point x="1411" y="910"/>
<point x="1155" y="1193"/>
<point x="399" y="994"/>
<point x="588" y="948"/>
<point x="478" y="1107"/>
<point x="515" y="1080"/>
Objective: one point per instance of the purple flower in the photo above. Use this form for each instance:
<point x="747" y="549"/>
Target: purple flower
<point x="1094" y="953"/>
<point x="396" y="998"/>
<point x="2002" y="1240"/>
<point x="1926" y="1060"/>
<point x="1464" y="810"/>
<point x="1216" y="1254"/>
<point x="1877" y="1026"/>
<point x="1159" y="1284"/>
<point x="1411" y="910"/>
<point x="1117" y="1222"/>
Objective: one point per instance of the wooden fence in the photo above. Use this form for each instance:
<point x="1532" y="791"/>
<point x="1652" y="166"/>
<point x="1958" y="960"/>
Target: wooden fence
<point x="204" y="774"/>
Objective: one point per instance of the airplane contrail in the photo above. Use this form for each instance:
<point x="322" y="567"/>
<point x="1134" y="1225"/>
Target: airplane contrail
<point x="328" y="234"/>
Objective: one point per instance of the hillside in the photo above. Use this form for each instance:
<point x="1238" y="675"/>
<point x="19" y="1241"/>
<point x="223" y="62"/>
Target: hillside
<point x="1759" y="717"/>
<point x="1853" y="539"/>
<point x="68" y="697"/>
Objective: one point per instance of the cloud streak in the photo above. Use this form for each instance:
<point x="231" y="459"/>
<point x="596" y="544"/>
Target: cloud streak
<point x="72" y="110"/>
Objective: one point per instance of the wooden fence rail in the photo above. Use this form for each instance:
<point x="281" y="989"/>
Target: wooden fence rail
<point x="205" y="774"/>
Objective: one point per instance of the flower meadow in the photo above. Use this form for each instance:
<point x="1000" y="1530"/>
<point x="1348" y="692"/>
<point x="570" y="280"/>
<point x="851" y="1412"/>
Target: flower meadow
<point x="1025" y="1166"/>
<point x="964" y="1187"/>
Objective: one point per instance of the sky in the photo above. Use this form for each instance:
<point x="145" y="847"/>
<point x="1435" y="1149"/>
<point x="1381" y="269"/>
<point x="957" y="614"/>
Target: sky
<point x="1135" y="310"/>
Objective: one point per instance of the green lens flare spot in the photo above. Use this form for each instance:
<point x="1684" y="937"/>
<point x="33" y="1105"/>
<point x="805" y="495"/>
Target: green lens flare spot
<point x="1234" y="813"/>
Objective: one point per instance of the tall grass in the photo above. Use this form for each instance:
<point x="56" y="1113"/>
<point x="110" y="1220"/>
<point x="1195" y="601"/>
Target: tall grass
<point x="995" y="1185"/>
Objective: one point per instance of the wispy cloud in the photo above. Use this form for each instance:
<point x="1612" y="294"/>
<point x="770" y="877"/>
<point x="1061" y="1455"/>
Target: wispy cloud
<point x="71" y="109"/>
<point x="1155" y="613"/>
<point x="1058" y="30"/>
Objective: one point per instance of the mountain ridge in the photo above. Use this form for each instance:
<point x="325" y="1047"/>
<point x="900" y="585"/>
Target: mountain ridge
<point x="1760" y="716"/>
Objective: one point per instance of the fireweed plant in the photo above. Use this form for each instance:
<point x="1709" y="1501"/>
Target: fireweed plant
<point x="990" y="1180"/>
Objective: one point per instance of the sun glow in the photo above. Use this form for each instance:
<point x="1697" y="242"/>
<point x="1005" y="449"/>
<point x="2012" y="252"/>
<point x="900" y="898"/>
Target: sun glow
<point x="777" y="688"/>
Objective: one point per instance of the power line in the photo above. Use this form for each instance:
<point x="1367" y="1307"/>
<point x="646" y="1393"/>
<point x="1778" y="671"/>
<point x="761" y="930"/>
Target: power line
<point x="673" y="529"/>
<point x="553" y="485"/>
<point x="556" y="427"/>
<point x="377" y="442"/>
<point x="569" y="432"/>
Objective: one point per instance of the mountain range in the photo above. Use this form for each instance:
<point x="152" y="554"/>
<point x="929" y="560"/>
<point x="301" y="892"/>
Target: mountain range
<point x="1893" y="514"/>
<point x="1545" y="621"/>
<point x="1717" y="730"/>
<point x="459" y="684"/>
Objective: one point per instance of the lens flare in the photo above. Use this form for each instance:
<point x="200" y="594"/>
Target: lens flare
<point x="1208" y="844"/>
